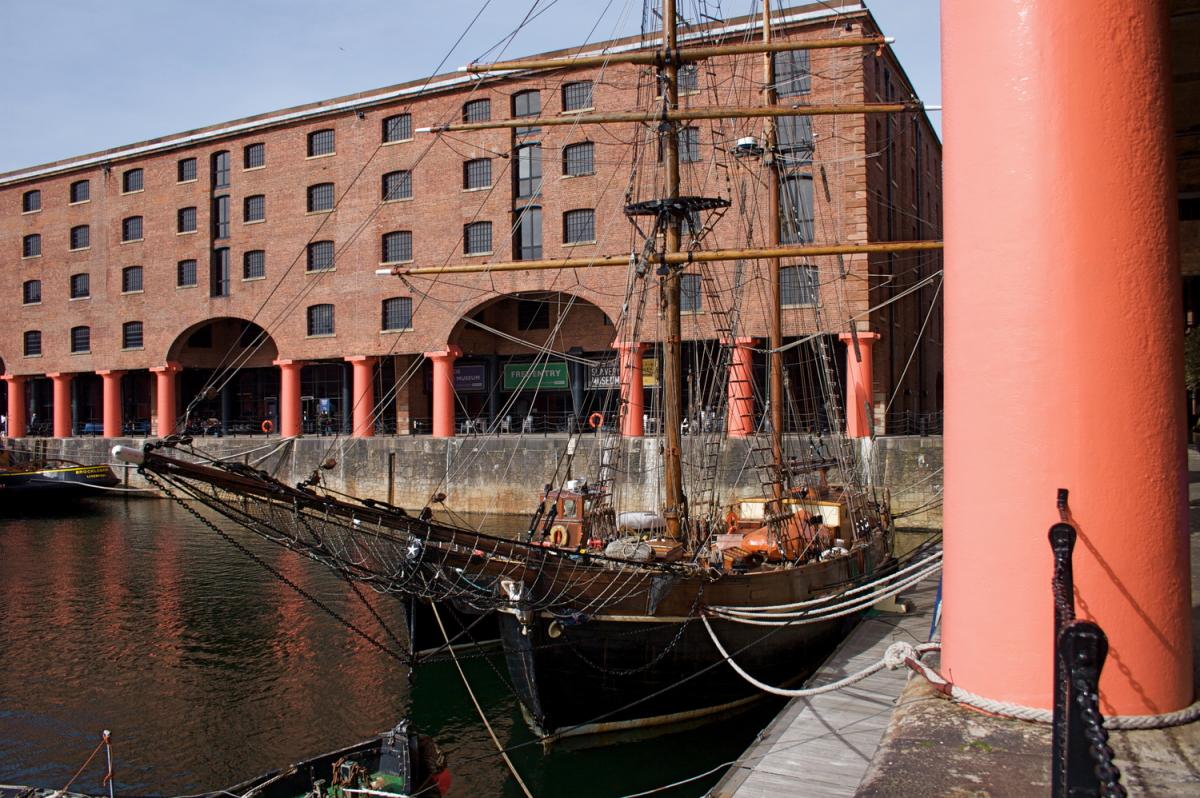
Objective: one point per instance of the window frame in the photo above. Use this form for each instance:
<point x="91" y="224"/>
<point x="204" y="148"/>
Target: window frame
<point x="475" y="169"/>
<point x="127" y="273"/>
<point x="80" y="334"/>
<point x="84" y="285"/>
<point x="573" y="225"/>
<point x="473" y="232"/>
<point x="83" y="230"/>
<point x="79" y="187"/>
<point x="792" y="80"/>
<point x="254" y="151"/>
<point x="471" y="110"/>
<point x="316" y="143"/>
<point x="691" y="296"/>
<point x="402" y="239"/>
<point x="248" y="203"/>
<point x="580" y="146"/>
<point x="181" y="167"/>
<point x="312" y="320"/>
<point x="31" y="246"/>
<point x="405" y="121"/>
<point x="181" y="270"/>
<point x="136" y="177"/>
<point x="321" y="198"/>
<point x="31" y="201"/>
<point x="28" y="287"/>
<point x="311" y="253"/>
<point x="181" y="217"/>
<point x="404" y="176"/>
<point x="127" y="328"/>
<point x="400" y="313"/>
<point x="31" y="343"/>
<point x="577" y="92"/>
<point x="806" y="285"/>
<point x="127" y="226"/>
<point x="250" y="255"/>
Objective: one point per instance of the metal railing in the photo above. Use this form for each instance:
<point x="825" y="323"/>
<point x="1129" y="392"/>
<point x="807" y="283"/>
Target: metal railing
<point x="1081" y="760"/>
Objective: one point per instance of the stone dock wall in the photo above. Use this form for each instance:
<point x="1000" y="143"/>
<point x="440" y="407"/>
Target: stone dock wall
<point x="505" y="474"/>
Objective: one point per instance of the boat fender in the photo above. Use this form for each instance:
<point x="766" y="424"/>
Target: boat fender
<point x="596" y="420"/>
<point x="554" y="630"/>
<point x="267" y="426"/>
<point x="558" y="535"/>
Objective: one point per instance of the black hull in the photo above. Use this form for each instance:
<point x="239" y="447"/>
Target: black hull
<point x="466" y="627"/>
<point x="67" y="482"/>
<point x="582" y="681"/>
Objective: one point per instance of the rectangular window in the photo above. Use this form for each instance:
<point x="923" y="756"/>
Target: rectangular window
<point x="320" y="197"/>
<point x="131" y="228"/>
<point x="320" y="320"/>
<point x="220" y="169"/>
<point x="320" y="256"/>
<point x="397" y="246"/>
<point x="81" y="340"/>
<point x="527" y="237"/>
<point x="220" y="217"/>
<point x="528" y="173"/>
<point x="33" y="343"/>
<point x="577" y="96"/>
<point x="794" y="138"/>
<point x="477" y="238"/>
<point x="798" y="286"/>
<point x="31" y="201"/>
<point x="688" y="79"/>
<point x="792" y="75"/>
<point x="31" y="292"/>
<point x="477" y="173"/>
<point x="477" y="111"/>
<point x="31" y="246"/>
<point x="131" y="180"/>
<point x="320" y="142"/>
<point x="578" y="159"/>
<point x="254" y="155"/>
<point x="254" y="264"/>
<point x="131" y="279"/>
<point x="81" y="191"/>
<point x="131" y="335"/>
<point x="186" y="222"/>
<point x="689" y="293"/>
<point x="80" y="286"/>
<point x="397" y="313"/>
<point x="185" y="170"/>
<point x="526" y="103"/>
<point x="255" y="208"/>
<point x="796" y="209"/>
<point x="579" y="226"/>
<point x="397" y="186"/>
<point x="185" y="274"/>
<point x="81" y="237"/>
<point x="219" y="277"/>
<point x="397" y="128"/>
<point x="689" y="144"/>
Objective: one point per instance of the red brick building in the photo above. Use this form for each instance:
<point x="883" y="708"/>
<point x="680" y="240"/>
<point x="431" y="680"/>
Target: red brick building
<point x="230" y="272"/>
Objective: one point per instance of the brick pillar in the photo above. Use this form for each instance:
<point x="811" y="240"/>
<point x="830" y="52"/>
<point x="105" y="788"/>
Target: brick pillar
<point x="633" y="389"/>
<point x="443" y="390"/>
<point x="859" y="406"/>
<point x="166" y="405"/>
<point x="17" y="421"/>
<point x="112" y="402"/>
<point x="363" y="395"/>
<point x="289" y="397"/>
<point x="62" y="403"/>
<point x="739" y="421"/>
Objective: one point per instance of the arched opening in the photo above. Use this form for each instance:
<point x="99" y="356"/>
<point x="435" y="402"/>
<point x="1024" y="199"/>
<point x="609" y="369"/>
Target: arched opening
<point x="502" y="340"/>
<point x="228" y="383"/>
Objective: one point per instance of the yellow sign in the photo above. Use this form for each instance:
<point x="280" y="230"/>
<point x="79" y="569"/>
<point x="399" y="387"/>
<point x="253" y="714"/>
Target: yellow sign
<point x="650" y="372"/>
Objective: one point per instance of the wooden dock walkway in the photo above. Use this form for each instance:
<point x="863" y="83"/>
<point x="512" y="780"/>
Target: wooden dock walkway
<point x="820" y="747"/>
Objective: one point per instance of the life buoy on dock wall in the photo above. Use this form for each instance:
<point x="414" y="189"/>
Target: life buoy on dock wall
<point x="558" y="535"/>
<point x="596" y="420"/>
<point x="267" y="426"/>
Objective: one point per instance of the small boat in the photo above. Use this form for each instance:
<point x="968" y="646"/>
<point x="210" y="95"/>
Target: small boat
<point x="51" y="478"/>
<point x="396" y="764"/>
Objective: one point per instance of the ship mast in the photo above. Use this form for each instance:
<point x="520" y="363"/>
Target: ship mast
<point x="774" y="301"/>
<point x="672" y="358"/>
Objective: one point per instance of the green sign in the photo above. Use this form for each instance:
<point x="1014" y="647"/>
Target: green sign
<point x="529" y="376"/>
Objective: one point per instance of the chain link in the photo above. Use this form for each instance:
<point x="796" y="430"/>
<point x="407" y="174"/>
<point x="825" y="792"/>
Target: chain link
<point x="1107" y="773"/>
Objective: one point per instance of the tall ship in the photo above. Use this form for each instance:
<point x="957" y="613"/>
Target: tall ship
<point x="642" y="591"/>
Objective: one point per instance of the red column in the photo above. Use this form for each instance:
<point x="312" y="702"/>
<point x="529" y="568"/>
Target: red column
<point x="1063" y="351"/>
<point x="62" y="403"/>
<point x="860" y="406"/>
<point x="443" y="390"/>
<point x="739" y="420"/>
<point x="17" y="422"/>
<point x="289" y="397"/>
<point x="166" y="406"/>
<point x="363" y="396"/>
<point x="112" y="402"/>
<point x="633" y="389"/>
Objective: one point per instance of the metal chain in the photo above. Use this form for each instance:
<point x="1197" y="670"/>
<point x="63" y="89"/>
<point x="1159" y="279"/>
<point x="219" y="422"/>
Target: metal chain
<point x="403" y="658"/>
<point x="658" y="658"/>
<point x="1107" y="773"/>
<point x="1064" y="608"/>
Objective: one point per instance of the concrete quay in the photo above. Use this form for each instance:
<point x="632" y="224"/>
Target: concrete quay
<point x="893" y="736"/>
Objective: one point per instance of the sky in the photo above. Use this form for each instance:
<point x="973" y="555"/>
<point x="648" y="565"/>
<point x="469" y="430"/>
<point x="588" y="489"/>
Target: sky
<point x="85" y="75"/>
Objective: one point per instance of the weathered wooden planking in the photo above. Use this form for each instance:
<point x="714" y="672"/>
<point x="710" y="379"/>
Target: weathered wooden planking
<point x="820" y="747"/>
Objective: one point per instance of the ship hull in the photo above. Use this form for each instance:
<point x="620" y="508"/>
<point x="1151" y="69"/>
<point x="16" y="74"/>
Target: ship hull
<point x="64" y="482"/>
<point x="466" y="627"/>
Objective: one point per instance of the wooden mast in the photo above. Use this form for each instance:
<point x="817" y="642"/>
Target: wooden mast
<point x="672" y="358"/>
<point x="774" y="311"/>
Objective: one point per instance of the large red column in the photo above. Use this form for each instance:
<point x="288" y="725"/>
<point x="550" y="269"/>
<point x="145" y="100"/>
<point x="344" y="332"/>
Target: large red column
<point x="289" y="397"/>
<point x="62" y="403"/>
<point x="859" y="390"/>
<point x="364" y="395"/>
<point x="17" y="421"/>
<point x="166" y="406"/>
<point x="112" y="402"/>
<point x="739" y="420"/>
<point x="443" y="390"/>
<point x="1063" y="349"/>
<point x="633" y="389"/>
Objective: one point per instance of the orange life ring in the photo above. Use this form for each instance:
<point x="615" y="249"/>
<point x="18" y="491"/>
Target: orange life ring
<point x="558" y="535"/>
<point x="267" y="426"/>
<point x="596" y="420"/>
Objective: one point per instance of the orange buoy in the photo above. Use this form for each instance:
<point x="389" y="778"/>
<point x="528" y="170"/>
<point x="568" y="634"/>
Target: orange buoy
<point x="595" y="420"/>
<point x="267" y="426"/>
